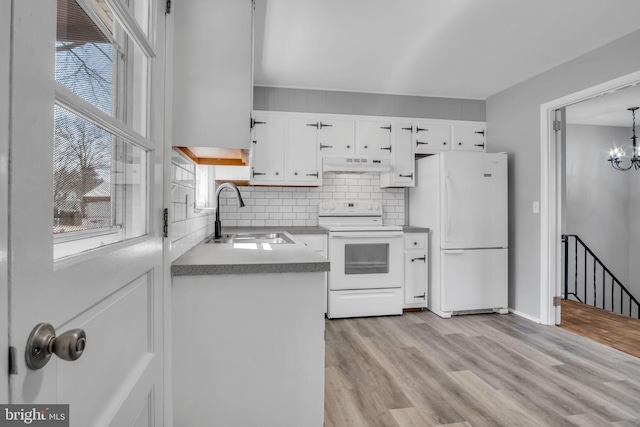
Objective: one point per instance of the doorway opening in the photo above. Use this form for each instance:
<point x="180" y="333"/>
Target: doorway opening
<point x="553" y="191"/>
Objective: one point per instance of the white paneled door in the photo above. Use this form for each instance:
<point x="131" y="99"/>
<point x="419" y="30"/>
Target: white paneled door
<point x="85" y="205"/>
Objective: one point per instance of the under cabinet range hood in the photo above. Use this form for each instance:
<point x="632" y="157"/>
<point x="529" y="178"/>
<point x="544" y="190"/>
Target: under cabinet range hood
<point x="355" y="165"/>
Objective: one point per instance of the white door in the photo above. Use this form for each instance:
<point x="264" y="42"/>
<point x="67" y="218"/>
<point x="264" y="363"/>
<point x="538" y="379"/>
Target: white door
<point x="474" y="279"/>
<point x="374" y="137"/>
<point x="474" y="200"/>
<point x="5" y="45"/>
<point x="469" y="138"/>
<point x="432" y="137"/>
<point x="85" y="211"/>
<point x="302" y="150"/>
<point x="267" y="149"/>
<point x="337" y="137"/>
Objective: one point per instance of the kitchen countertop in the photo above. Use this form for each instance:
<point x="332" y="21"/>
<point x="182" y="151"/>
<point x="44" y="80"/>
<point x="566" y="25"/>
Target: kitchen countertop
<point x="224" y="258"/>
<point x="412" y="229"/>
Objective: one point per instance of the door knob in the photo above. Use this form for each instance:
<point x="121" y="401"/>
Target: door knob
<point x="42" y="343"/>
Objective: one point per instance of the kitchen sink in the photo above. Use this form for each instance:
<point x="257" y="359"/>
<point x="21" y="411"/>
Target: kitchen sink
<point x="272" y="238"/>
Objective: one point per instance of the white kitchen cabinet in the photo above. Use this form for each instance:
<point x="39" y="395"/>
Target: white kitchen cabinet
<point x="431" y="137"/>
<point x="301" y="155"/>
<point x="213" y="87"/>
<point x="267" y="150"/>
<point x="374" y="138"/>
<point x="317" y="242"/>
<point x="284" y="151"/>
<point x="469" y="137"/>
<point x="415" y="270"/>
<point x="248" y="350"/>
<point x="336" y="137"/>
<point x="402" y="164"/>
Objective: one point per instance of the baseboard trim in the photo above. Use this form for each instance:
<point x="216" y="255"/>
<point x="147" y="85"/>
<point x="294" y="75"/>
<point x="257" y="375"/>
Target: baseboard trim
<point x="526" y="316"/>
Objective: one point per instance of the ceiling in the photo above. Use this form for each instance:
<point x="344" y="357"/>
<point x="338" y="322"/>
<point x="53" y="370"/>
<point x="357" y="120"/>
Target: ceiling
<point x="609" y="109"/>
<point x="443" y="48"/>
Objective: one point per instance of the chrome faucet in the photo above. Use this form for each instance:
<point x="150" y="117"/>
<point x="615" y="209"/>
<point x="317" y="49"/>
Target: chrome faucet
<point x="218" y="225"/>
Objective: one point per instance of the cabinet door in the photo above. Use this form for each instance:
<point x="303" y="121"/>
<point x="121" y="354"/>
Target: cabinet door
<point x="415" y="277"/>
<point x="302" y="150"/>
<point x="337" y="137"/>
<point x="402" y="162"/>
<point x="267" y="150"/>
<point x="213" y="85"/>
<point x="469" y="138"/>
<point x="430" y="137"/>
<point x="374" y="137"/>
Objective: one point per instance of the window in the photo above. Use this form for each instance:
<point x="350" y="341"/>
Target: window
<point x="101" y="133"/>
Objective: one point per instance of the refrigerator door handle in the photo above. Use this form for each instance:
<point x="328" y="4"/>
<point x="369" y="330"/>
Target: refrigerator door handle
<point x="453" y="251"/>
<point x="448" y="207"/>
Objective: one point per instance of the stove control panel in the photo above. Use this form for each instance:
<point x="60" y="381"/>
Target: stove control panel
<point x="350" y="208"/>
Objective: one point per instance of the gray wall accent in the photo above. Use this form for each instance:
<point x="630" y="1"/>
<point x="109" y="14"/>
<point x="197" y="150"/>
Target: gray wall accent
<point x="513" y="125"/>
<point x="597" y="204"/>
<point x="370" y="104"/>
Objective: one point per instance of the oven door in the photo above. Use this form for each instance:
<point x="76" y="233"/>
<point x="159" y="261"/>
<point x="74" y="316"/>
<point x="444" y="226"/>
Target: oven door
<point x="365" y="260"/>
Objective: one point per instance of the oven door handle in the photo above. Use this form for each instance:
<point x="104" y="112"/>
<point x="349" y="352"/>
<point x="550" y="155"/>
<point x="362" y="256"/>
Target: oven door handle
<point x="365" y="235"/>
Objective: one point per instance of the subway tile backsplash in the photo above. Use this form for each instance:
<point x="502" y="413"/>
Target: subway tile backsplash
<point x="268" y="206"/>
<point x="298" y="206"/>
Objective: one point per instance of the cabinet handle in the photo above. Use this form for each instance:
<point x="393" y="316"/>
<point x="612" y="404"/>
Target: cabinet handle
<point x="315" y="125"/>
<point x="324" y="125"/>
<point x="325" y="146"/>
<point x="406" y="176"/>
<point x="423" y="296"/>
<point x="478" y="145"/>
<point x="313" y="174"/>
<point x="424" y="258"/>
<point x="386" y="148"/>
<point x="386" y="127"/>
<point x="444" y="143"/>
<point x="254" y="173"/>
<point x="255" y="141"/>
<point x="421" y="143"/>
<point x="422" y="130"/>
<point x="481" y="132"/>
<point x="409" y="128"/>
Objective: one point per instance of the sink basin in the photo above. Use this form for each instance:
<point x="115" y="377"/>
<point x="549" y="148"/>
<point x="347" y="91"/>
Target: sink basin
<point x="272" y="238"/>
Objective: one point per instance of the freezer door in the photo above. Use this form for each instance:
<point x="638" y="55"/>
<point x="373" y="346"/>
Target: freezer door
<point x="473" y="279"/>
<point x="473" y="200"/>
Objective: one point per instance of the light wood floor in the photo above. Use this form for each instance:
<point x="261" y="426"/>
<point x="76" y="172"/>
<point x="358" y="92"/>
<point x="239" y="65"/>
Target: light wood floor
<point x="614" y="330"/>
<point x="478" y="370"/>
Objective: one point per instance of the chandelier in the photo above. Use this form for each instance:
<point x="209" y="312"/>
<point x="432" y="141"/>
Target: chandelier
<point x="616" y="153"/>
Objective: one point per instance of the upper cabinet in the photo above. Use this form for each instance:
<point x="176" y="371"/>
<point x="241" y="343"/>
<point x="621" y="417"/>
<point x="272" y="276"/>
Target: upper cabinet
<point x="431" y="137"/>
<point x="284" y="151"/>
<point x="374" y="137"/>
<point x="213" y="76"/>
<point x="468" y="137"/>
<point x="402" y="157"/>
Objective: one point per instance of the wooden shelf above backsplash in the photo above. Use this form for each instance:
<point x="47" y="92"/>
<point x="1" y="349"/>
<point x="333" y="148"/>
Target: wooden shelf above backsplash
<point x="216" y="156"/>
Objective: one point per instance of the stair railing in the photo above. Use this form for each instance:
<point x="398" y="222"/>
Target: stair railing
<point x="593" y="283"/>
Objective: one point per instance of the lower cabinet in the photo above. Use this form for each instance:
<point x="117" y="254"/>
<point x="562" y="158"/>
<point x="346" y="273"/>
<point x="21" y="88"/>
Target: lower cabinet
<point x="317" y="242"/>
<point x="416" y="267"/>
<point x="248" y="350"/>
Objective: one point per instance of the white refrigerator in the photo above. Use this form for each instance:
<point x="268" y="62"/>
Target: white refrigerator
<point x="462" y="198"/>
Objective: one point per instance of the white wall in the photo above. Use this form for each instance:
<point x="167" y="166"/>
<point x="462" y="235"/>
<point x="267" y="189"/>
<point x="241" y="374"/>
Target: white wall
<point x="597" y="204"/>
<point x="513" y="125"/>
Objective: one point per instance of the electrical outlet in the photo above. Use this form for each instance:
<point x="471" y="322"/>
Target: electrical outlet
<point x="536" y="207"/>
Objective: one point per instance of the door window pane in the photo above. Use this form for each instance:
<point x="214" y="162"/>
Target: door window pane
<point x="370" y="258"/>
<point x="100" y="186"/>
<point x="85" y="57"/>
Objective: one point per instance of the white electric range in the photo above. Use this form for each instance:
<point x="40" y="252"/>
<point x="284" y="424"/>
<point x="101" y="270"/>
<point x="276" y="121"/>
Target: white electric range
<point x="366" y="257"/>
